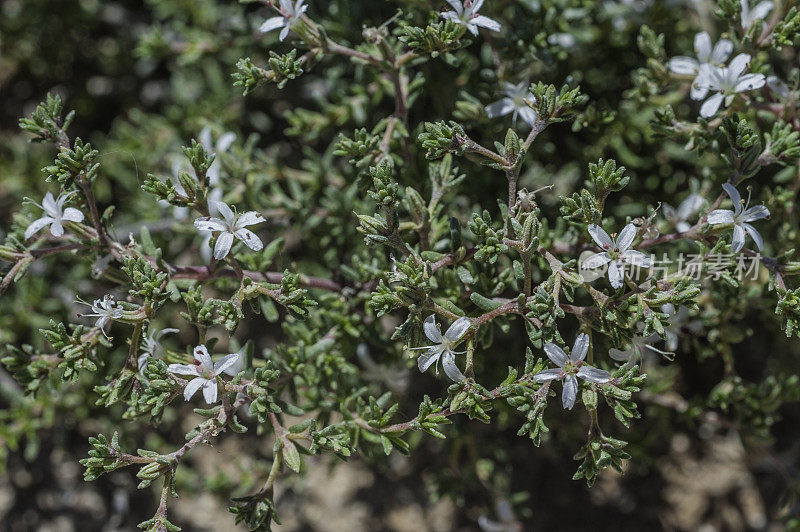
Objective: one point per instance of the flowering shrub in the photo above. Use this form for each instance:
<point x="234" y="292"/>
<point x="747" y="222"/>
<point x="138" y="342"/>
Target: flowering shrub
<point x="302" y="277"/>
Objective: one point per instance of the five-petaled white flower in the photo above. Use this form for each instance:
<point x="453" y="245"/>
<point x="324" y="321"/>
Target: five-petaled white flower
<point x="706" y="55"/>
<point x="616" y="253"/>
<point x="443" y="347"/>
<point x="513" y="102"/>
<point x="105" y="310"/>
<point x="205" y="372"/>
<point x="679" y="217"/>
<point x="570" y="368"/>
<point x="54" y="215"/>
<point x="232" y="226"/>
<point x="759" y="12"/>
<point x="289" y="16"/>
<point x="725" y="82"/>
<point x="466" y="12"/>
<point x="151" y="345"/>
<point x="740" y="217"/>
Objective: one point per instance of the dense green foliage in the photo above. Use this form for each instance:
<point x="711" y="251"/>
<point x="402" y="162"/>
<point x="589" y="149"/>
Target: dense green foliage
<point x="389" y="195"/>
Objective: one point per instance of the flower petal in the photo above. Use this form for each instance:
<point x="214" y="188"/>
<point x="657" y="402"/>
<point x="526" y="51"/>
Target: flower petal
<point x="56" y="229"/>
<point x="592" y="374"/>
<point x="528" y="115"/>
<point x="549" y="375"/>
<point x="619" y="355"/>
<point x="210" y="391"/>
<point x="556" y="354"/>
<point x="761" y="10"/>
<point x="71" y="214"/>
<point x="223" y="245"/>
<point x="755" y="235"/>
<point x="683" y="65"/>
<point x="450" y="368"/>
<point x="202" y="356"/>
<point x="457" y="329"/>
<point x="183" y="369"/>
<point x="600" y="236"/>
<point x="737" y="242"/>
<point x="755" y="213"/>
<point x="431" y="330"/>
<point x="486" y="22"/>
<point x="272" y="24"/>
<point x="225" y="141"/>
<point x="689" y="206"/>
<point x="699" y="90"/>
<point x="225" y="363"/>
<point x="722" y="51"/>
<point x="580" y="348"/>
<point x="736" y="198"/>
<point x="49" y="205"/>
<point x="168" y="330"/>
<point x="456" y="5"/>
<point x="426" y="359"/>
<point x="37" y="226"/>
<point x="570" y="392"/>
<point x="249" y="218"/>
<point x="595" y="261"/>
<point x="720" y="216"/>
<point x="250" y="239"/>
<point x="710" y="106"/>
<point x="626" y="236"/>
<point x="616" y="274"/>
<point x="192" y="387"/>
<point x="210" y="224"/>
<point x="738" y="65"/>
<point x="636" y="258"/>
<point x="500" y="108"/>
<point x="750" y="82"/>
<point x="702" y="46"/>
<point x="450" y="15"/>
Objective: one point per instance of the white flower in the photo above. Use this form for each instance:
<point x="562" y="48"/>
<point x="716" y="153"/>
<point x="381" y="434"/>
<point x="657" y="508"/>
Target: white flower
<point x="105" y="310"/>
<point x="232" y="226"/>
<point x="570" y="368"/>
<point x="679" y="217"/>
<point x="780" y="88"/>
<point x="740" y="217"/>
<point x="513" y="102"/>
<point x="466" y="12"/>
<point x="635" y="352"/>
<point x="151" y="345"/>
<point x="205" y="372"/>
<point x="443" y="347"/>
<point x="678" y="323"/>
<point x="726" y="82"/>
<point x="616" y="254"/>
<point x="706" y="55"/>
<point x="759" y="12"/>
<point x="54" y="215"/>
<point x="222" y="145"/>
<point x="289" y="16"/>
